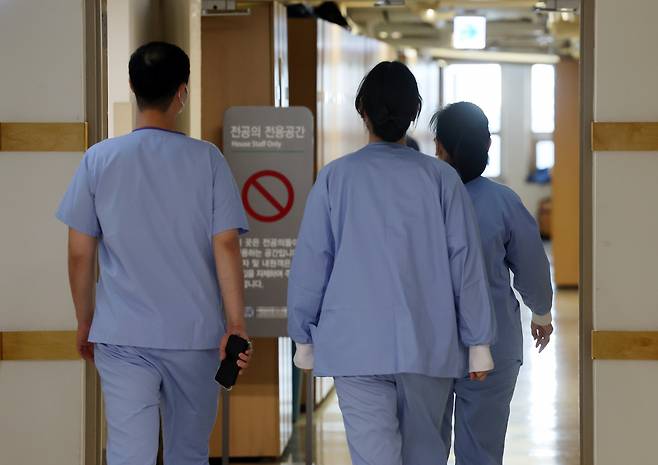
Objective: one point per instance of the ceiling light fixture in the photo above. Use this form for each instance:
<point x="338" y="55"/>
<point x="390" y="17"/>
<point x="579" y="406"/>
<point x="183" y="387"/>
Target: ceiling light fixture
<point x="396" y="35"/>
<point x="429" y="14"/>
<point x="383" y="35"/>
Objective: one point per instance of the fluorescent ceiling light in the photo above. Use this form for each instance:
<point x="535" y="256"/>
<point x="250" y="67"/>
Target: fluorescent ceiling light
<point x="469" y="32"/>
<point x="493" y="57"/>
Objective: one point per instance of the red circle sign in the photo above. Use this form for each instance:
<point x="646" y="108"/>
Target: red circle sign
<point x="254" y="182"/>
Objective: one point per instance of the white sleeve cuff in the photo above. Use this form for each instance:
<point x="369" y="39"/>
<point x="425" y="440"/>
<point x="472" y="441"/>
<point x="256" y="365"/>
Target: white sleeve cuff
<point x="542" y="320"/>
<point x="304" y="356"/>
<point x="480" y="359"/>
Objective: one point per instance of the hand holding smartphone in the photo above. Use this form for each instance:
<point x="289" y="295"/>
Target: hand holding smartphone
<point x="227" y="374"/>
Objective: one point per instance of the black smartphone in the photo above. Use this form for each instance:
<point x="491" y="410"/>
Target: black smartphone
<point x="227" y="374"/>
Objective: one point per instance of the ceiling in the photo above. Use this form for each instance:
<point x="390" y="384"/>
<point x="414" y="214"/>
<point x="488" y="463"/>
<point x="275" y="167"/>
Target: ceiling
<point x="514" y="26"/>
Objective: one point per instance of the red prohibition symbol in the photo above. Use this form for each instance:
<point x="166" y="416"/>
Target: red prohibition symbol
<point x="254" y="182"/>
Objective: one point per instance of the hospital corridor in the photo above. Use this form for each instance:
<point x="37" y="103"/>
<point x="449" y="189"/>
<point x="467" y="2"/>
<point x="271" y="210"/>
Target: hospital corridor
<point x="328" y="232"/>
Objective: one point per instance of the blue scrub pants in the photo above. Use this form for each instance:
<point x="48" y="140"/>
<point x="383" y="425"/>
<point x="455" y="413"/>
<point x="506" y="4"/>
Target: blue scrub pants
<point x="394" y="419"/>
<point x="481" y="413"/>
<point x="138" y="384"/>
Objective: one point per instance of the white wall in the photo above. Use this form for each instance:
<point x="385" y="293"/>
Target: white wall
<point x="426" y="72"/>
<point x="518" y="156"/>
<point x="625" y="231"/>
<point x="41" y="403"/>
<point x="131" y="23"/>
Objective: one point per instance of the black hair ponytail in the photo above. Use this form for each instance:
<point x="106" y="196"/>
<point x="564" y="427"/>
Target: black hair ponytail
<point x="389" y="97"/>
<point x="463" y="130"/>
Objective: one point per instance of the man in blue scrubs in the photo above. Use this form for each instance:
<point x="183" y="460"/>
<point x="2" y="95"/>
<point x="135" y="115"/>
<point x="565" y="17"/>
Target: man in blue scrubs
<point x="164" y="214"/>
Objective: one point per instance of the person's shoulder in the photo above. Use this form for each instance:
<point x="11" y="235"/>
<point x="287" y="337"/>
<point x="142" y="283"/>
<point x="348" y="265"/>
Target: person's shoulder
<point x="441" y="169"/>
<point x="496" y="191"/>
<point x="108" y="147"/>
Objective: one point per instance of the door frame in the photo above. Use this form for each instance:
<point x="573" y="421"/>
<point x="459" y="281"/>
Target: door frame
<point x="96" y="116"/>
<point x="95" y="18"/>
<point x="587" y="24"/>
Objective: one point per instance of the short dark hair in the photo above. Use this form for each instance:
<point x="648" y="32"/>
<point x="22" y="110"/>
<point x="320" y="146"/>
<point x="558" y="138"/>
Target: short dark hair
<point x="463" y="130"/>
<point x="157" y="70"/>
<point x="389" y="97"/>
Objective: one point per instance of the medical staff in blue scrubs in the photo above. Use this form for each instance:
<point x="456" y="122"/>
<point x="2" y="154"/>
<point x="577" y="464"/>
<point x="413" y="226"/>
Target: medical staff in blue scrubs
<point x="164" y="214"/>
<point x="388" y="291"/>
<point x="511" y="242"/>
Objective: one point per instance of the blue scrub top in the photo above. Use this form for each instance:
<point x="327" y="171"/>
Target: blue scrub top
<point x="388" y="276"/>
<point x="511" y="241"/>
<point x="155" y="199"/>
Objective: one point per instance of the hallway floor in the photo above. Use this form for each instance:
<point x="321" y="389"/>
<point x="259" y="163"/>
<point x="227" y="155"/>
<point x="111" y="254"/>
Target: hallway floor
<point x="543" y="428"/>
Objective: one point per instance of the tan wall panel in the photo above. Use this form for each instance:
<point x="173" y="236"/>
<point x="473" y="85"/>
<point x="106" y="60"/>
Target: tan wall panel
<point x="38" y="345"/>
<point x="565" y="215"/>
<point x="625" y="345"/>
<point x="629" y="137"/>
<point x="43" y="137"/>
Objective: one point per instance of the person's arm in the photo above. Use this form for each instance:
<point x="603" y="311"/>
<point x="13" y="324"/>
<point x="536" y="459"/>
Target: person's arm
<point x="470" y="284"/>
<point x="78" y="211"/>
<point x="228" y="222"/>
<point x="228" y="261"/>
<point x="527" y="259"/>
<point x="310" y="272"/>
<point x="82" y="279"/>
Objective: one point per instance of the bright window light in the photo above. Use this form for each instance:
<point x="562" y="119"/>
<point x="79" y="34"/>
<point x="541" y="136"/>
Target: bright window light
<point x="469" y="32"/>
<point x="543" y="98"/>
<point x="493" y="169"/>
<point x="545" y="154"/>
<point x="480" y="84"/>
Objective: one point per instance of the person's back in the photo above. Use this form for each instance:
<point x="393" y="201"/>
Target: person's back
<point x="153" y="197"/>
<point x="390" y="266"/>
<point x="164" y="214"/>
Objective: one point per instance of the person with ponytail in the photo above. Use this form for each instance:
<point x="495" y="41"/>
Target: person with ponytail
<point x="388" y="291"/>
<point x="511" y="242"/>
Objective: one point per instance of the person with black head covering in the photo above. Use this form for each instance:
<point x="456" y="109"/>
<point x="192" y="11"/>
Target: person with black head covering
<point x="511" y="242"/>
<point x="388" y="292"/>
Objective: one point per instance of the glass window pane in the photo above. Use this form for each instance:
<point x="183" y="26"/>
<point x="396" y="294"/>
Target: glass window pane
<point x="480" y="84"/>
<point x="545" y="154"/>
<point x="493" y="169"/>
<point x="543" y="98"/>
